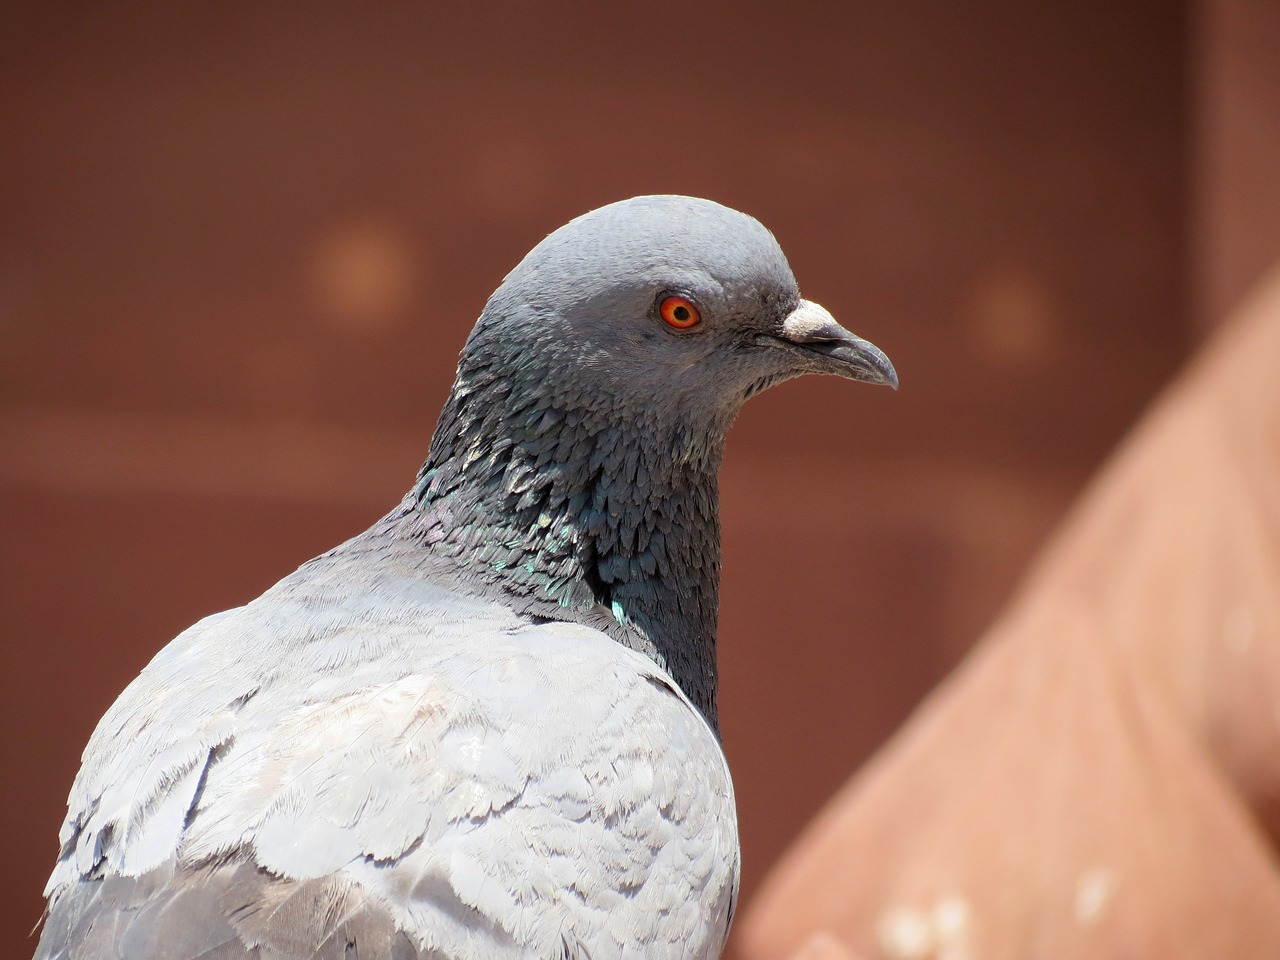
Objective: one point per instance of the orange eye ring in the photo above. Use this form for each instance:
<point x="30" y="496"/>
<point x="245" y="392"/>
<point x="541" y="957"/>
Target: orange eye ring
<point x="679" y="312"/>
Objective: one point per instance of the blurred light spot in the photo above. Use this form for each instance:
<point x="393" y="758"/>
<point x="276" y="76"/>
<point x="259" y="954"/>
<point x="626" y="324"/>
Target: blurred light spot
<point x="905" y="934"/>
<point x="363" y="275"/>
<point x="513" y="176"/>
<point x="1011" y="318"/>
<point x="1093" y="895"/>
<point x="951" y="918"/>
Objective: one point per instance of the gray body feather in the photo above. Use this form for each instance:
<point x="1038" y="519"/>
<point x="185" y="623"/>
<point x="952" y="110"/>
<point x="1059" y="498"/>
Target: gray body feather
<point x="340" y="749"/>
<point x="227" y="912"/>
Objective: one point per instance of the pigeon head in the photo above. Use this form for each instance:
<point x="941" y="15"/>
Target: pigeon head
<point x="573" y="472"/>
<point x="669" y="307"/>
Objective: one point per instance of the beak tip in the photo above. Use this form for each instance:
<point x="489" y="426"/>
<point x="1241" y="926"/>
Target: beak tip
<point x="890" y="376"/>
<point x="878" y="365"/>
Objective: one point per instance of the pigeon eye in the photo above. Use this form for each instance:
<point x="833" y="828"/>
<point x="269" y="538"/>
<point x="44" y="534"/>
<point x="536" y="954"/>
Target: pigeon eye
<point x="679" y="312"/>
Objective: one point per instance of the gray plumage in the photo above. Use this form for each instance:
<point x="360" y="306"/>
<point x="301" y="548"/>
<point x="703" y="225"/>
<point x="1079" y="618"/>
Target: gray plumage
<point x="486" y="727"/>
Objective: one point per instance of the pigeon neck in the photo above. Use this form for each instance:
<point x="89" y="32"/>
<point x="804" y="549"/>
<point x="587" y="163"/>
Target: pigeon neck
<point x="608" y="521"/>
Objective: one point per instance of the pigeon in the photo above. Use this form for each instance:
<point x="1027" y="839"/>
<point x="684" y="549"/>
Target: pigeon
<point x="485" y="727"/>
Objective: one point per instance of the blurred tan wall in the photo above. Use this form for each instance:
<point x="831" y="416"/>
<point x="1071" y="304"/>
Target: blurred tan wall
<point x="240" y="248"/>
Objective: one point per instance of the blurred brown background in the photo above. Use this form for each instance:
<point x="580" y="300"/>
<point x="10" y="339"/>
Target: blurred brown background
<point x="241" y="245"/>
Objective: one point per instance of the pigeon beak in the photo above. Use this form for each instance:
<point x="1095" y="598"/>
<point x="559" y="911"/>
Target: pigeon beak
<point x="811" y="328"/>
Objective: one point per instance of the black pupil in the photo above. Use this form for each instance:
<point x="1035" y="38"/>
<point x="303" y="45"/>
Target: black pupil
<point x="681" y="313"/>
